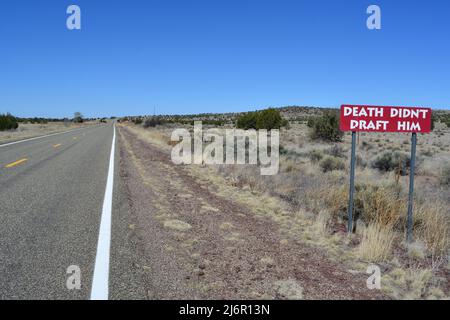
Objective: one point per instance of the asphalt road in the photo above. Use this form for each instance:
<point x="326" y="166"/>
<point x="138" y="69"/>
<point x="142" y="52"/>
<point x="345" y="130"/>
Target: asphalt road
<point x="52" y="192"/>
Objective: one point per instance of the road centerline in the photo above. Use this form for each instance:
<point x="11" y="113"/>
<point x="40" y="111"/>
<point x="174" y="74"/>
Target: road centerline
<point x="100" y="280"/>
<point x="15" y="163"/>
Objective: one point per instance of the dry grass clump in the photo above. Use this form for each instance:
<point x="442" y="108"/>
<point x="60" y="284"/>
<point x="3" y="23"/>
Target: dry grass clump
<point x="335" y="199"/>
<point x="411" y="284"/>
<point x="432" y="225"/>
<point x="331" y="163"/>
<point x="177" y="225"/>
<point x="416" y="250"/>
<point x="321" y="223"/>
<point x="381" y="204"/>
<point x="315" y="155"/>
<point x="383" y="208"/>
<point x="376" y="243"/>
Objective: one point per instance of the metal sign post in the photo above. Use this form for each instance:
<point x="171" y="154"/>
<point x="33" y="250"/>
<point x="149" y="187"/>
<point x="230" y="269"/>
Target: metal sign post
<point x="411" y="188"/>
<point x="352" y="184"/>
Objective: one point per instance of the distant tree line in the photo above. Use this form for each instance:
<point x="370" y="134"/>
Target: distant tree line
<point x="444" y="118"/>
<point x="154" y="121"/>
<point x="10" y="122"/>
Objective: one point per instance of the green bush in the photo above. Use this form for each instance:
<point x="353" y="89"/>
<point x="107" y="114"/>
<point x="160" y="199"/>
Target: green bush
<point x="266" y="119"/>
<point x="390" y="161"/>
<point x="311" y="121"/>
<point x="331" y="163"/>
<point x="247" y="121"/>
<point x="326" y="128"/>
<point x="213" y="122"/>
<point x="8" y="122"/>
<point x="137" y="120"/>
<point x="270" y="119"/>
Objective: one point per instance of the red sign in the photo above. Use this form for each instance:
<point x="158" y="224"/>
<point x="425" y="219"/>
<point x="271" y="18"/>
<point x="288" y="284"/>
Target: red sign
<point x="385" y="119"/>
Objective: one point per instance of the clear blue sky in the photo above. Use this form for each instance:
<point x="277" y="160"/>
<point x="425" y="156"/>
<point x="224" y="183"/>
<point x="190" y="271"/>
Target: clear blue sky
<point x="196" y="56"/>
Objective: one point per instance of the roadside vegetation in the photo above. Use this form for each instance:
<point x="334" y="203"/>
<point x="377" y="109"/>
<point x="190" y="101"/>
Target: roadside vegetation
<point x="326" y="127"/>
<point x="8" y="122"/>
<point x="313" y="186"/>
<point x="78" y="117"/>
<point x="13" y="128"/>
<point x="266" y="119"/>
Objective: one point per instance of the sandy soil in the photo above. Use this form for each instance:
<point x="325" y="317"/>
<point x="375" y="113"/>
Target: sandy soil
<point x="200" y="238"/>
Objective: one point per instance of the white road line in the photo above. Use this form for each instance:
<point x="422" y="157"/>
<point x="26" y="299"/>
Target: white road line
<point x="99" y="290"/>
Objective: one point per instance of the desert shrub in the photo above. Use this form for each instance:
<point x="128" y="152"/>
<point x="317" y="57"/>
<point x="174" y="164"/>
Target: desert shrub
<point x="311" y="121"/>
<point x="247" y="121"/>
<point x="316" y="155"/>
<point x="331" y="163"/>
<point x="327" y="128"/>
<point x="366" y="145"/>
<point x="390" y="161"/>
<point x="153" y="122"/>
<point x="283" y="150"/>
<point x="428" y="153"/>
<point x="270" y="119"/>
<point x="445" y="176"/>
<point x="8" y="122"/>
<point x="266" y="119"/>
<point x="360" y="162"/>
<point x="138" y="121"/>
<point x="336" y="151"/>
<point x="376" y="243"/>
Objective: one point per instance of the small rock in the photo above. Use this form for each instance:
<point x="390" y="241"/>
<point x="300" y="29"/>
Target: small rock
<point x="268" y="261"/>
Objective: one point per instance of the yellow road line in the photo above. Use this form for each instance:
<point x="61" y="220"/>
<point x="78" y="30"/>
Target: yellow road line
<point x="57" y="145"/>
<point x="13" y="164"/>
